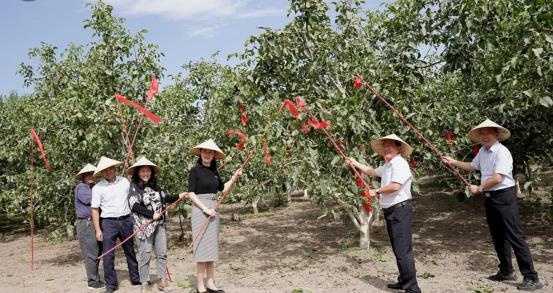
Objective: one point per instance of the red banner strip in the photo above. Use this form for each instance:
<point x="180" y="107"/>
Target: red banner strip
<point x="41" y="149"/>
<point x="144" y="111"/>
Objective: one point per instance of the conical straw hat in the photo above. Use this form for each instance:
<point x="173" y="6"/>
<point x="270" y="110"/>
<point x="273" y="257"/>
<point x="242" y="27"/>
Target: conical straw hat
<point x="503" y="133"/>
<point x="142" y="161"/>
<point x="105" y="163"/>
<point x="86" y="169"/>
<point x="378" y="147"/>
<point x="208" y="145"/>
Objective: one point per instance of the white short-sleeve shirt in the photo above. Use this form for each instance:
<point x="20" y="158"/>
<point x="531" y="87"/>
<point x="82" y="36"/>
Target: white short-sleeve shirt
<point x="496" y="160"/>
<point x="111" y="198"/>
<point x="396" y="170"/>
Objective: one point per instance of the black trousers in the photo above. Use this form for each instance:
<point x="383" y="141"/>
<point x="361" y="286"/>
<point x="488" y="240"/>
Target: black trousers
<point x="114" y="229"/>
<point x="398" y="223"/>
<point x="502" y="214"/>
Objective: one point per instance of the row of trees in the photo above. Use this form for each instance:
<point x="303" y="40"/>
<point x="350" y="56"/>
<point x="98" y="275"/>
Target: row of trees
<point x="445" y="64"/>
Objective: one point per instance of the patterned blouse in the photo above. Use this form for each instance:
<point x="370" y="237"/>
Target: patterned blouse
<point x="144" y="202"/>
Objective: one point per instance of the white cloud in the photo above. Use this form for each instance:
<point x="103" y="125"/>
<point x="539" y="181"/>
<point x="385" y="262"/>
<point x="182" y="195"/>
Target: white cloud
<point x="202" y="18"/>
<point x="195" y="9"/>
<point x="206" y="32"/>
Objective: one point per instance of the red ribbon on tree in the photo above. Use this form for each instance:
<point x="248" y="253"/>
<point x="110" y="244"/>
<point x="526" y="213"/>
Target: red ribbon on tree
<point x="299" y="103"/>
<point x="41" y="149"/>
<point x="359" y="181"/>
<point x="153" y="89"/>
<point x="322" y="125"/>
<point x="144" y="111"/>
<point x="367" y="205"/>
<point x="305" y="128"/>
<point x="266" y="154"/>
<point x="358" y="82"/>
<point x="243" y="117"/>
<point x="318" y="124"/>
<point x="366" y="194"/>
<point x="450" y="137"/>
<point x="292" y="108"/>
<point x="243" y="138"/>
<point x="413" y="164"/>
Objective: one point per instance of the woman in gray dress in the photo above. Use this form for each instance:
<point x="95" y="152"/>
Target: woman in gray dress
<point x="203" y="184"/>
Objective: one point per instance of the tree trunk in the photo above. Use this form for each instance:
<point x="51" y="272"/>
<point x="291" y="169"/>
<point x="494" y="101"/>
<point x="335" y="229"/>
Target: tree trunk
<point x="254" y="206"/>
<point x="365" y="229"/>
<point x="362" y="222"/>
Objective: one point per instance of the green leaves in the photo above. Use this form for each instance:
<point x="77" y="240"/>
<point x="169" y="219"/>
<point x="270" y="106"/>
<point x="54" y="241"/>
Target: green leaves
<point x="546" y="101"/>
<point x="446" y="64"/>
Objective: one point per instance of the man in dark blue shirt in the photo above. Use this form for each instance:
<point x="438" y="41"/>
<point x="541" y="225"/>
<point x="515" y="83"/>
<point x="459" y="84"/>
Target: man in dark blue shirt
<point x="90" y="247"/>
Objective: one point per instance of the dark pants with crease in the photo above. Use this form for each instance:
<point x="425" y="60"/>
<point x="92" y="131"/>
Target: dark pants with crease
<point x="502" y="214"/>
<point x="114" y="229"/>
<point x="398" y="223"/>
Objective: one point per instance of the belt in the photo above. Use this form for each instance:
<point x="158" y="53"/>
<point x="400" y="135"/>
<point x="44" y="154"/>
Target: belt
<point x="397" y="205"/>
<point x="499" y="191"/>
<point x="117" y="218"/>
<point x="84" y="218"/>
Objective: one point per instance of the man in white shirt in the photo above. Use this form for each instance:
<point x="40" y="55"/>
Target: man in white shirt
<point x="495" y="163"/>
<point x="395" y="200"/>
<point x="110" y="195"/>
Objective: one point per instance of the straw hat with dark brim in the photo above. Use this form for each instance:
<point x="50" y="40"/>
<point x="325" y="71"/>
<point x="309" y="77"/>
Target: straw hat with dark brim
<point x="503" y="133"/>
<point x="142" y="162"/>
<point x="208" y="145"/>
<point x="378" y="147"/>
<point x="89" y="168"/>
<point x="105" y="163"/>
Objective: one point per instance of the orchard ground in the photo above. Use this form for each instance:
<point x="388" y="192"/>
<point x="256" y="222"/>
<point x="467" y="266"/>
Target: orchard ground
<point x="288" y="249"/>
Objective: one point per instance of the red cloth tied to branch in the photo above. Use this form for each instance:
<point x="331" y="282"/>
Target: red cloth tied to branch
<point x="299" y="103"/>
<point x="359" y="182"/>
<point x="413" y="164"/>
<point x="450" y="137"/>
<point x="358" y="82"/>
<point x="153" y="89"/>
<point x="266" y="154"/>
<point x="243" y="138"/>
<point x="242" y="107"/>
<point x="305" y="128"/>
<point x="318" y="124"/>
<point x="243" y="117"/>
<point x="292" y="108"/>
<point x="367" y="205"/>
<point x="144" y="111"/>
<point x="41" y="149"/>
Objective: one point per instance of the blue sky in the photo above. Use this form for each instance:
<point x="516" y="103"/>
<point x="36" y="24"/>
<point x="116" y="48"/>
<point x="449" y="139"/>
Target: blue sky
<point x="185" y="30"/>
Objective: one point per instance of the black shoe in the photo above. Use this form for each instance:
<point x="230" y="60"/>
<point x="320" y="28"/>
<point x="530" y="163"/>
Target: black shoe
<point x="396" y="286"/>
<point x="512" y="276"/>
<point x="110" y="290"/>
<point x="136" y="283"/>
<point x="530" y="285"/>
<point x="98" y="286"/>
<point x="215" y="291"/>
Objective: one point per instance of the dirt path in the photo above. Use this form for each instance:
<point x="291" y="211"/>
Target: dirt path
<point x="289" y="248"/>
